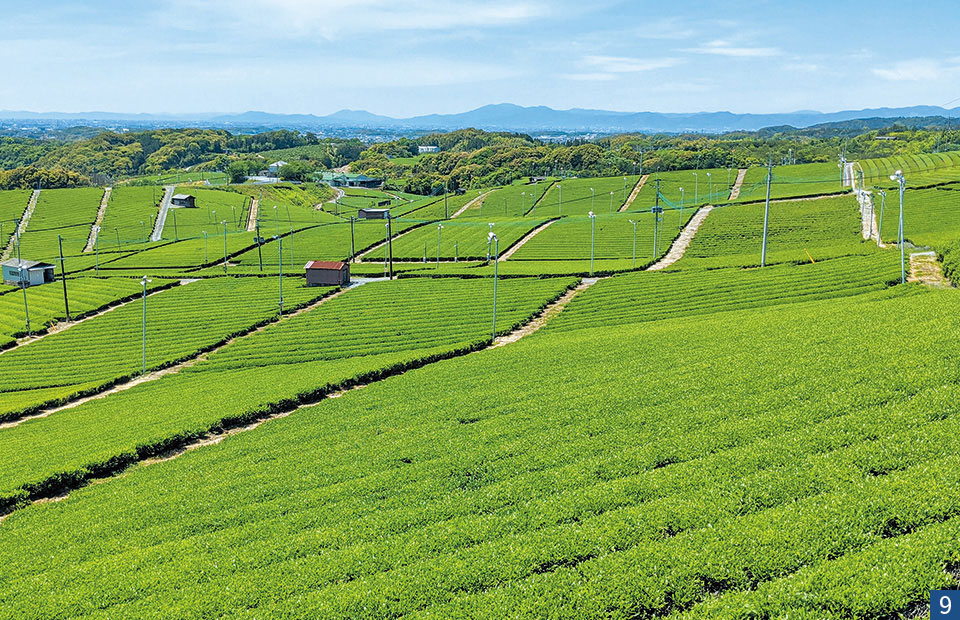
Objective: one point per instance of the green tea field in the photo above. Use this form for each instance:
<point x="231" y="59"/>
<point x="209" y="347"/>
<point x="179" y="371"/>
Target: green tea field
<point x="518" y="406"/>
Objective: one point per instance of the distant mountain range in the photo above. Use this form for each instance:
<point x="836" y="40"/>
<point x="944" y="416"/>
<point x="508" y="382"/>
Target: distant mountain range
<point x="506" y="117"/>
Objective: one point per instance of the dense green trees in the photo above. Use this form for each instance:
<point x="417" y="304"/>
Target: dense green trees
<point x="30" y="177"/>
<point x="467" y="158"/>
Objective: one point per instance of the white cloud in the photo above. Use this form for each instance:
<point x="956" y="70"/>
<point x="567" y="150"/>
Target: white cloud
<point x="624" y="64"/>
<point x="802" y="67"/>
<point x="667" y="29"/>
<point x="336" y="19"/>
<point x="724" y="48"/>
<point x="588" y="77"/>
<point x="918" y="70"/>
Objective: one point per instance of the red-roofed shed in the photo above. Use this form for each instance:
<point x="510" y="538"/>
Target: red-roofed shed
<point x="327" y="273"/>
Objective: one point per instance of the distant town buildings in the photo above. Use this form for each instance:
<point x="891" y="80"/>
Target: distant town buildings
<point x="428" y="149"/>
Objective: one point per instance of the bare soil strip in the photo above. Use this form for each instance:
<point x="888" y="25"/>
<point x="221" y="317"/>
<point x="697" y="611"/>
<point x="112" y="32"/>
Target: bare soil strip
<point x="544" y="317"/>
<point x="124" y="385"/>
<point x="530" y="235"/>
<point x="479" y="199"/>
<point x="634" y="193"/>
<point x="337" y="195"/>
<point x="164" y="209"/>
<point x="735" y="190"/>
<point x="849" y="179"/>
<point x="252" y="216"/>
<point x="683" y="241"/>
<point x="925" y="269"/>
<point x="92" y="239"/>
<point x="147" y="456"/>
<point x="24" y="220"/>
<point x="60" y="326"/>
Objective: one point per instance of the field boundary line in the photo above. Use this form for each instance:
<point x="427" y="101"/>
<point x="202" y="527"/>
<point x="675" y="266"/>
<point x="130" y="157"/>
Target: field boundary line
<point x="95" y="227"/>
<point x="478" y="199"/>
<point x="60" y="326"/>
<point x="735" y="190"/>
<point x="59" y="486"/>
<point x="794" y="199"/>
<point x="162" y="215"/>
<point x="682" y="242"/>
<point x="636" y="192"/>
<point x="24" y="220"/>
<point x="542" y="196"/>
<point x="125" y="383"/>
<point x="527" y="237"/>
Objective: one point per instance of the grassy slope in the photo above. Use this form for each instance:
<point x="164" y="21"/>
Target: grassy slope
<point x="534" y="489"/>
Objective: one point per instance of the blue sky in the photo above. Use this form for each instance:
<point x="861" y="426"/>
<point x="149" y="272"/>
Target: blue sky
<point x="411" y="57"/>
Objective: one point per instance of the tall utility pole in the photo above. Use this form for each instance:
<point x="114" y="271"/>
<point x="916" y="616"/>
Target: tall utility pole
<point x="63" y="278"/>
<point x="901" y="181"/>
<point x="439" y="231"/>
<point x="593" y="224"/>
<point x="224" y="222"/>
<point x="766" y="213"/>
<point x="352" y="246"/>
<point x="656" y="230"/>
<point x="24" y="283"/>
<point x="143" y="342"/>
<point x="491" y="237"/>
<point x="883" y="203"/>
<point x="657" y="198"/>
<point x="446" y="208"/>
<point x="259" y="240"/>
<point x="16" y="230"/>
<point x="390" y="243"/>
<point x="680" y="225"/>
<point x="280" y="271"/>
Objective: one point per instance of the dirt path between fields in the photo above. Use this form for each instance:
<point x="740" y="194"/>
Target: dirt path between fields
<point x="252" y="216"/>
<point x="24" y="220"/>
<point x="634" y="193"/>
<point x="519" y="244"/>
<point x="162" y="215"/>
<point x="925" y="269"/>
<point x="544" y="317"/>
<point x="735" y="190"/>
<point x="475" y="201"/>
<point x="682" y="242"/>
<point x="337" y="195"/>
<point x="95" y="229"/>
<point x="199" y="357"/>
